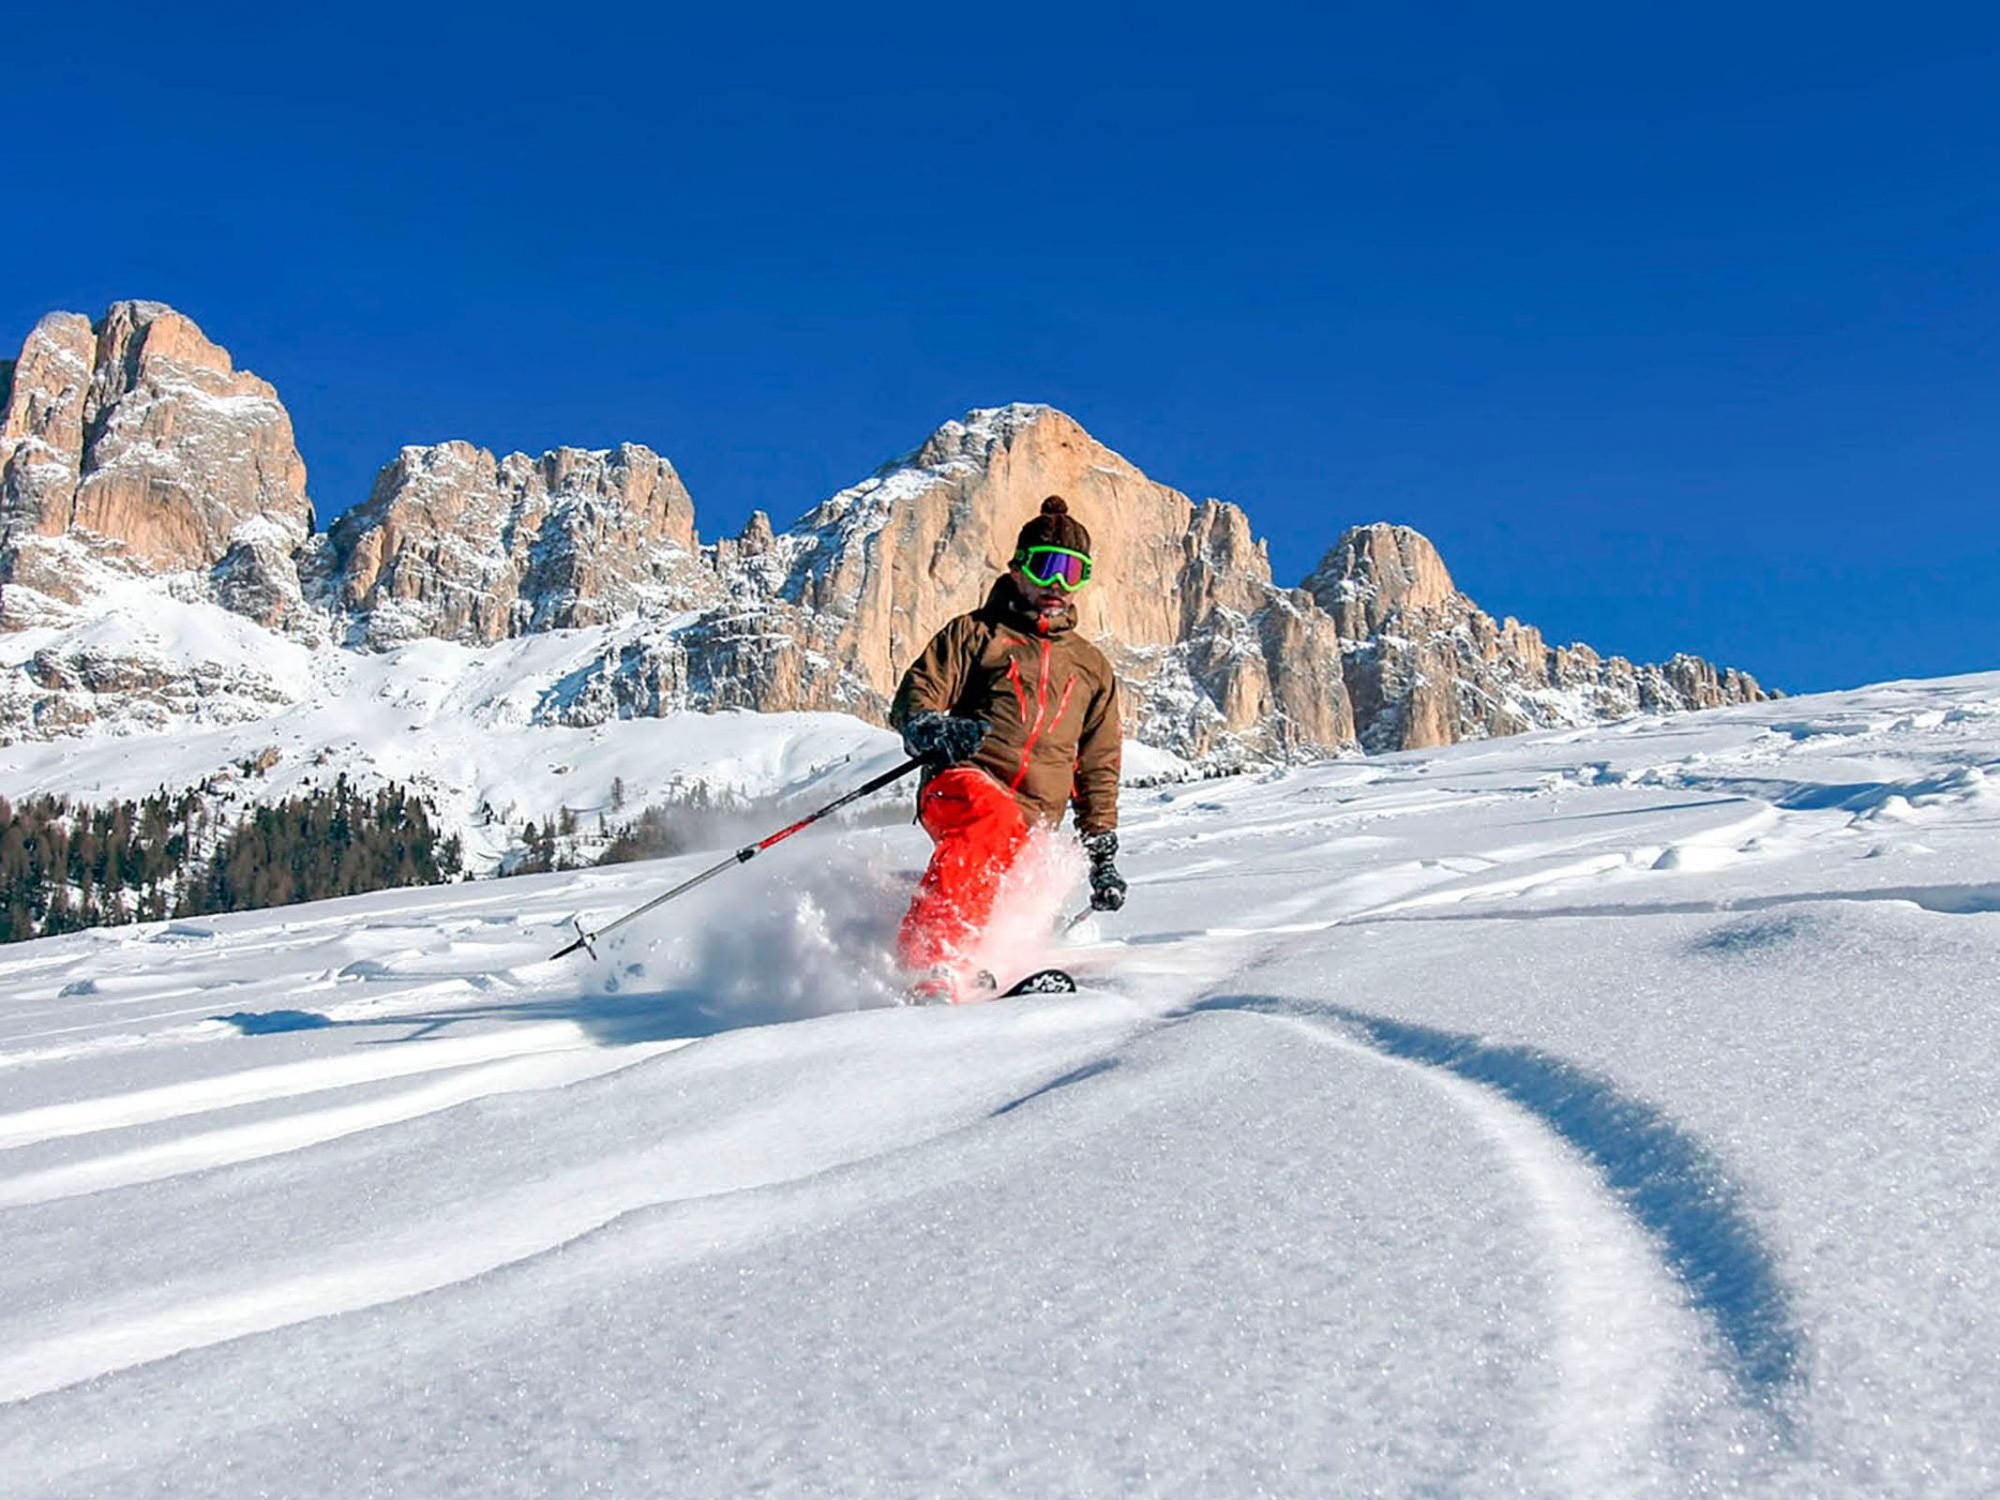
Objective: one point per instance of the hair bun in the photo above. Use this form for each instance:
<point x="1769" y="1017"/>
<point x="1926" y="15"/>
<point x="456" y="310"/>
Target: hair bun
<point x="1054" y="527"/>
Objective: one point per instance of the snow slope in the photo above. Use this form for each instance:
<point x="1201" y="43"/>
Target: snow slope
<point x="1593" y="1113"/>
<point x="459" y="725"/>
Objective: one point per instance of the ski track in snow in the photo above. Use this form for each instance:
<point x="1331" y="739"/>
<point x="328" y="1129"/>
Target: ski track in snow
<point x="1652" y="1171"/>
<point x="544" y="1069"/>
<point x="288" y="1081"/>
<point x="1613" y="1343"/>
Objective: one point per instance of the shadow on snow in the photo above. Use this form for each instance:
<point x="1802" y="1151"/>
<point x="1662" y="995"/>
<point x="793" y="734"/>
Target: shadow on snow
<point x="1088" y="1071"/>
<point x="609" y="1020"/>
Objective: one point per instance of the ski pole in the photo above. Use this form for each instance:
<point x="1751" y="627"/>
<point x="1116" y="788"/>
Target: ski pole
<point x="742" y="856"/>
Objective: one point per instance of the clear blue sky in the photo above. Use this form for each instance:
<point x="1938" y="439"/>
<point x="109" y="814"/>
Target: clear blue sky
<point x="1676" y="326"/>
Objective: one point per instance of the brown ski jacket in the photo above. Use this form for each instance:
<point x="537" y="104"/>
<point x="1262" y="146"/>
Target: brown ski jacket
<point x="1048" y="694"/>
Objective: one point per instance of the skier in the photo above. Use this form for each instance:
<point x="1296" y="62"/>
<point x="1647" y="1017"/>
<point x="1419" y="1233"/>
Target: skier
<point x="1017" y="716"/>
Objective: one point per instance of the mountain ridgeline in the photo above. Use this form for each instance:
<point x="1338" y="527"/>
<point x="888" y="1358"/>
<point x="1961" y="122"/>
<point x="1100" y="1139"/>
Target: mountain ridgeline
<point x="134" y="456"/>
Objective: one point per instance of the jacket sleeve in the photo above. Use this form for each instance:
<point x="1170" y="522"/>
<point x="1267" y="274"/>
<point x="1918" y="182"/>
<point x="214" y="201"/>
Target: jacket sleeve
<point x="1098" y="754"/>
<point x="936" y="678"/>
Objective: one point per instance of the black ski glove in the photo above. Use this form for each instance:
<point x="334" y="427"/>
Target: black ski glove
<point x="943" y="738"/>
<point x="1107" y="886"/>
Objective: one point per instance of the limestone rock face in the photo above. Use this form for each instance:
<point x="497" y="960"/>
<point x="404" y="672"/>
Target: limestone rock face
<point x="135" y="445"/>
<point x="73" y="688"/>
<point x="1380" y="576"/>
<point x="456" y="544"/>
<point x="1426" y="666"/>
<point x="41" y="427"/>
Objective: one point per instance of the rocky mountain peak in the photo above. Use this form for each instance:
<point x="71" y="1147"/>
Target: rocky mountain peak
<point x="455" y="543"/>
<point x="136" y="444"/>
<point x="975" y="436"/>
<point x="1380" y="575"/>
<point x="1427" y="666"/>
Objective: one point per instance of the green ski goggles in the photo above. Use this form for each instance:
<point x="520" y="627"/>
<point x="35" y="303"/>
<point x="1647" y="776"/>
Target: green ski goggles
<point x="1054" y="567"/>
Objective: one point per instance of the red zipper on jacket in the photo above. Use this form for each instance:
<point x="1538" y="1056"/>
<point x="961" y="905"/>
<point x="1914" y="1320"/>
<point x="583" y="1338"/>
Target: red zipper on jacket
<point x="1020" y="693"/>
<point x="1041" y="709"/>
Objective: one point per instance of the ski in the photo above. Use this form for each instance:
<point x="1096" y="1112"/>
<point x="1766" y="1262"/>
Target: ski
<point x="941" y="989"/>
<point x="1042" y="982"/>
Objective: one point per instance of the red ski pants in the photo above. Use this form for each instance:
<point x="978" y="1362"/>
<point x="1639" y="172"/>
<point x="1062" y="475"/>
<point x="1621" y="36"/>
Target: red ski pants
<point x="977" y="829"/>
